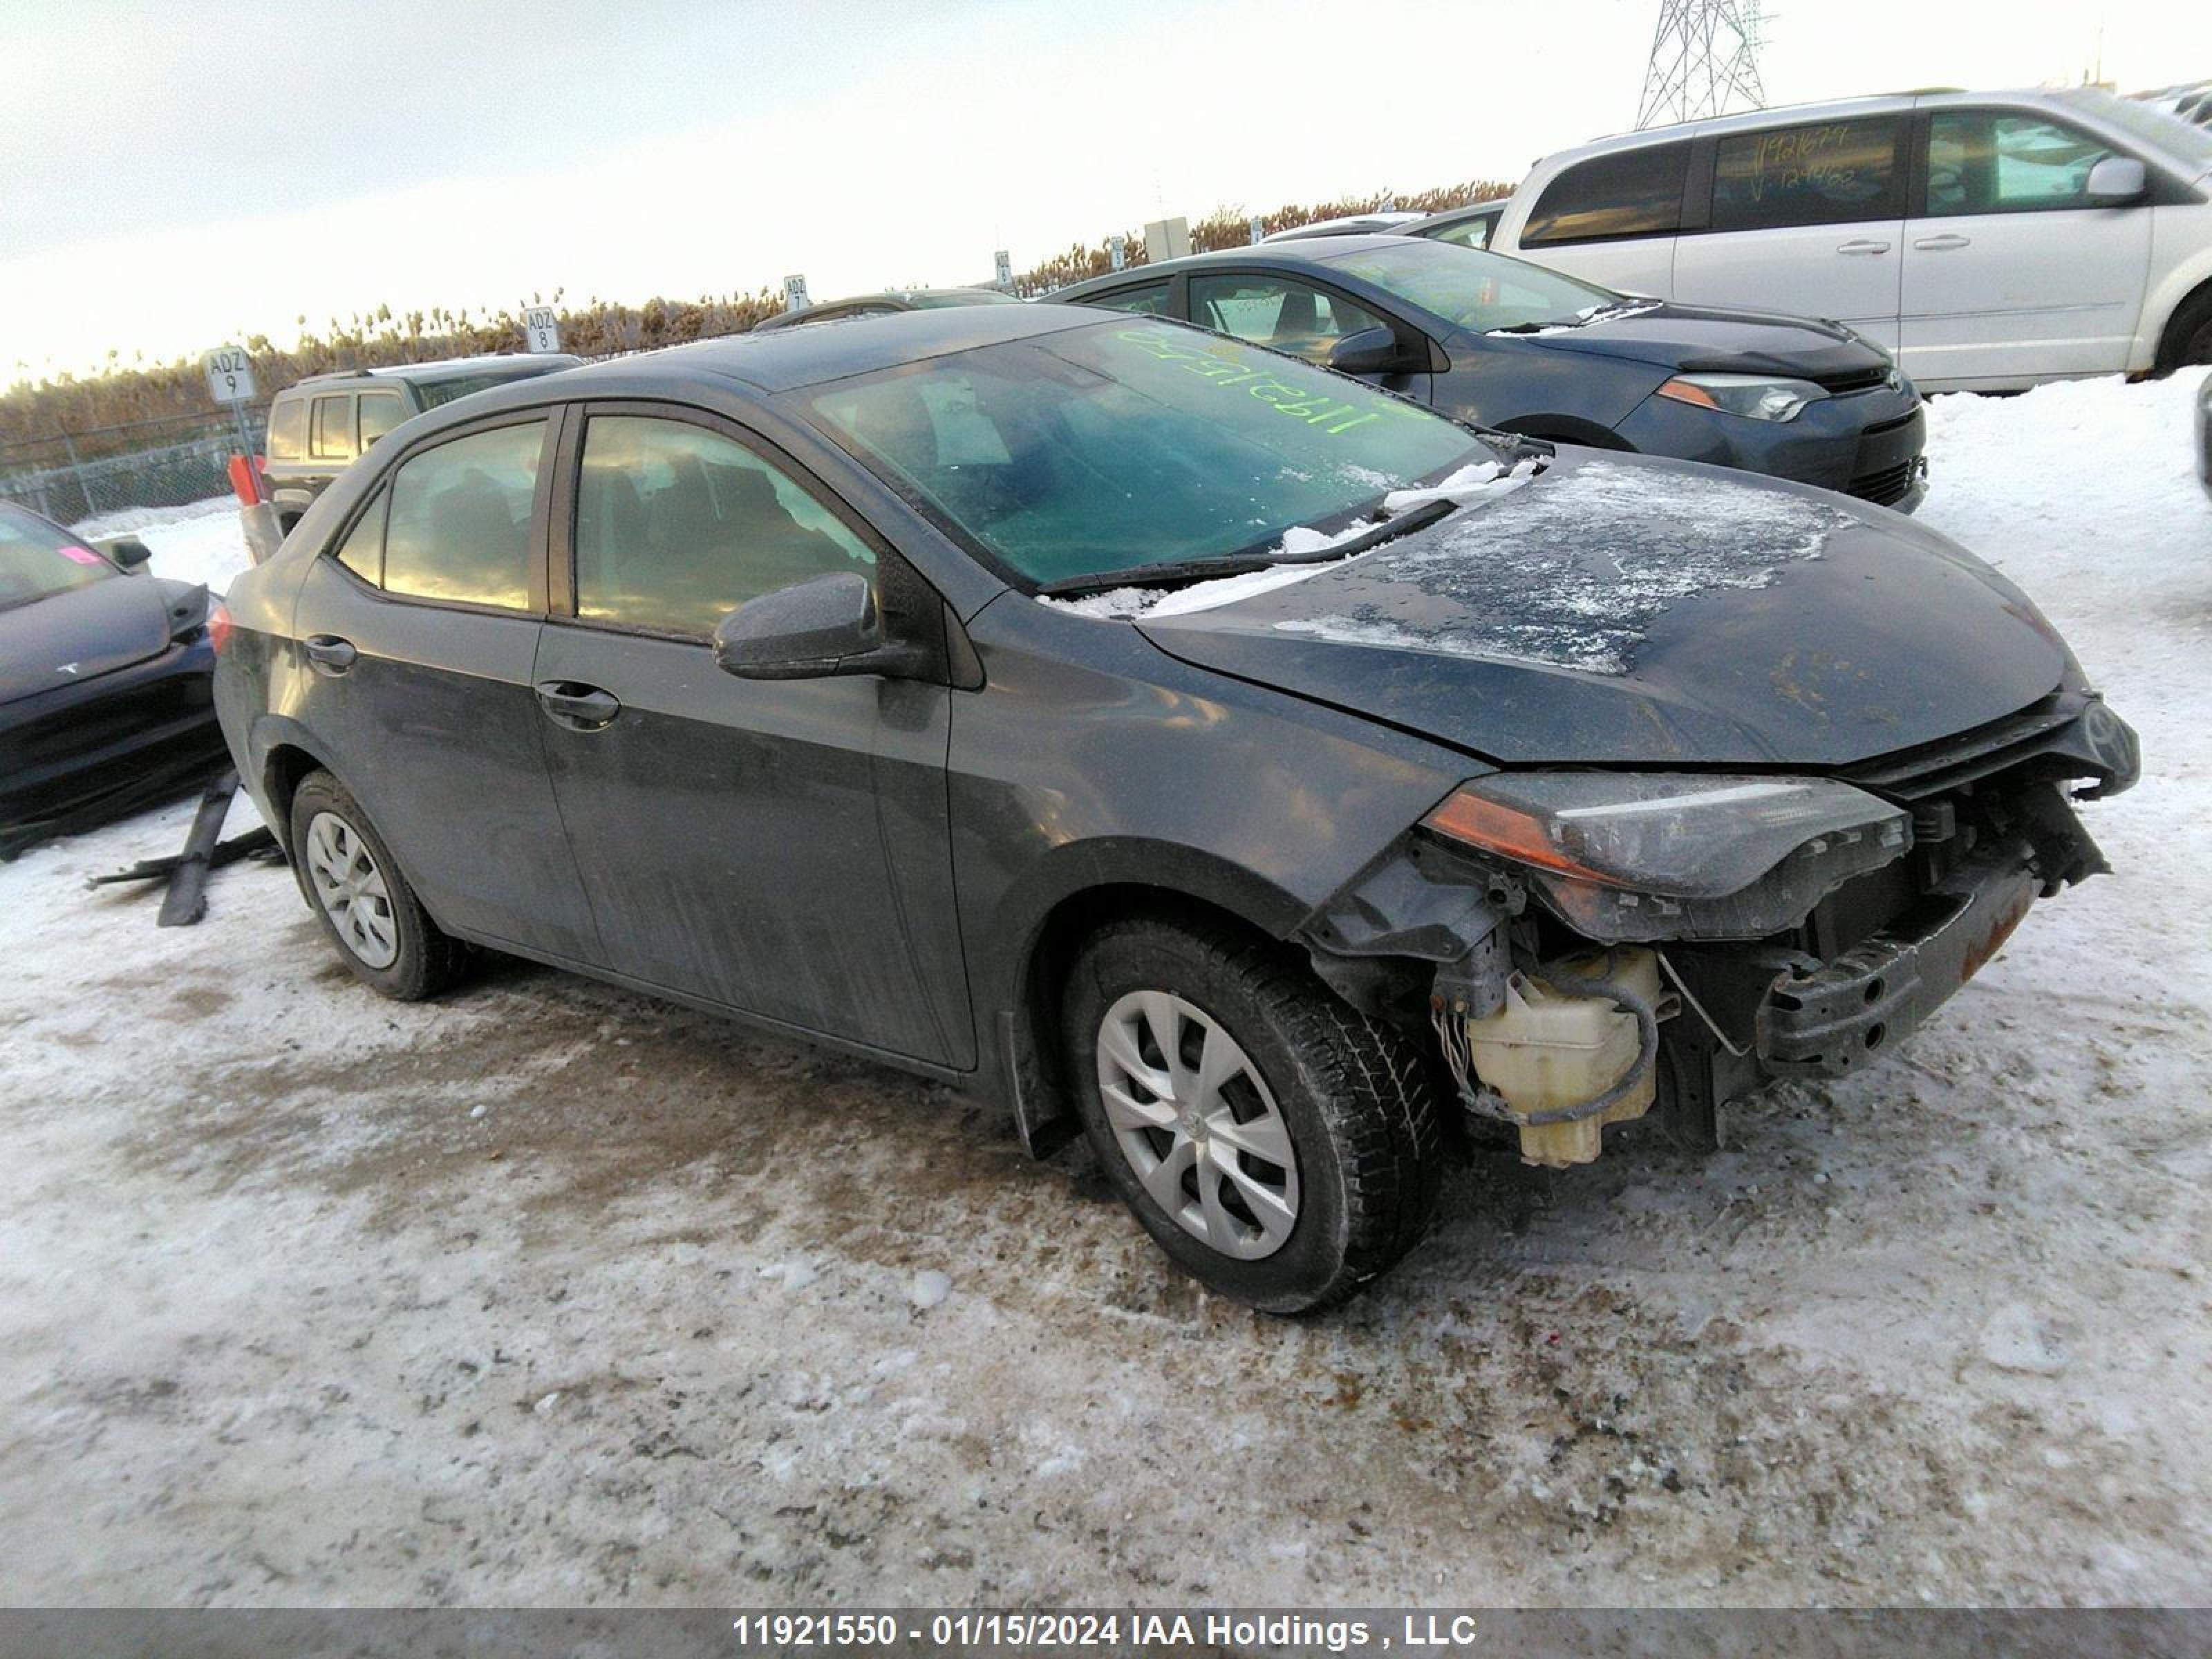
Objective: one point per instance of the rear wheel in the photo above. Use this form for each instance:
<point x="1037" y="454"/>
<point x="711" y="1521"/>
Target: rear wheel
<point x="1279" y="1146"/>
<point x="362" y="898"/>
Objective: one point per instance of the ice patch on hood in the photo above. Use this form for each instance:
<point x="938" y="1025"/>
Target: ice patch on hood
<point x="1482" y="481"/>
<point x="1572" y="575"/>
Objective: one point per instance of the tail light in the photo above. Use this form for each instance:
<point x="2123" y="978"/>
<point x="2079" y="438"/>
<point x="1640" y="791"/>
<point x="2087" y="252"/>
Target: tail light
<point x="218" y="625"/>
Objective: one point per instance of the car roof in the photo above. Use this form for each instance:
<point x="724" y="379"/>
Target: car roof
<point x="780" y="359"/>
<point x="1304" y="252"/>
<point x="499" y="364"/>
<point x="897" y="299"/>
<point x="1348" y="224"/>
<point x="2080" y="99"/>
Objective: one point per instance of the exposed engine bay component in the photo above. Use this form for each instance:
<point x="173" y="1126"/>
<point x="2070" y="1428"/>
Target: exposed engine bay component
<point x="1414" y="906"/>
<point x="1573" y="1047"/>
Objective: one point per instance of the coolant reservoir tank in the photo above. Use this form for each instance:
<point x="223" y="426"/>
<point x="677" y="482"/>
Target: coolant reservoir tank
<point x="1546" y="1050"/>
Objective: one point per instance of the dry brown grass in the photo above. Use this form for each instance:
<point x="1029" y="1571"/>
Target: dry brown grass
<point x="121" y="396"/>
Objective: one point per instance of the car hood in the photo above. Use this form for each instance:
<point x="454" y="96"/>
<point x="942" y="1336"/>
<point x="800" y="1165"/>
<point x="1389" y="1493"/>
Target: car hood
<point x="77" y="635"/>
<point x="1617" y="610"/>
<point x="1723" y="340"/>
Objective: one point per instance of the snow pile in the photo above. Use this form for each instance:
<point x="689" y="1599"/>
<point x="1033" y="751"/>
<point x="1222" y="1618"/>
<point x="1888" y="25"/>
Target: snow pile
<point x="204" y="541"/>
<point x="1572" y="575"/>
<point x="1480" y="481"/>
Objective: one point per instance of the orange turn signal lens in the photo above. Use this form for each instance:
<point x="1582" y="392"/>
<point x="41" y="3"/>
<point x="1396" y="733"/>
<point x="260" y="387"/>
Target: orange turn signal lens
<point x="1688" y="391"/>
<point x="1503" y="829"/>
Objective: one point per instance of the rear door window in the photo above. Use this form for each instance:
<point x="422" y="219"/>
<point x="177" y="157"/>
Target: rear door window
<point x="1824" y="172"/>
<point x="1150" y="301"/>
<point x="1277" y="313"/>
<point x="288" y="429"/>
<point x="332" y="433"/>
<point x="1468" y="233"/>
<point x="1631" y="192"/>
<point x="677" y="525"/>
<point x="1987" y="161"/>
<point x="459" y="519"/>
<point x="379" y="412"/>
<point x="362" y="550"/>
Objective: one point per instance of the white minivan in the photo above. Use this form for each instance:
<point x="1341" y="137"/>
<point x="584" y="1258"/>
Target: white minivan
<point x="1991" y="241"/>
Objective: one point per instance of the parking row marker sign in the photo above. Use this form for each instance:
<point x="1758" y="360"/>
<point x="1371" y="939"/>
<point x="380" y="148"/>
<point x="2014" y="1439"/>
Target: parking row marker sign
<point x="541" y="329"/>
<point x="229" y="375"/>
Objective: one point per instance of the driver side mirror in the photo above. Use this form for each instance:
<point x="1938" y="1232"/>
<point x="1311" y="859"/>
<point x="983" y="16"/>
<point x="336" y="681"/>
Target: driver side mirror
<point x="2116" y="180"/>
<point x="129" y="552"/>
<point x="826" y="625"/>
<point x="1373" y="351"/>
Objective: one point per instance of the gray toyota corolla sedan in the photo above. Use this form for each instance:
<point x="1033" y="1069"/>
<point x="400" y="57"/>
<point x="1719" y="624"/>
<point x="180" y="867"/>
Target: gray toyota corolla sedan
<point x="1266" y="777"/>
<point x="1509" y="344"/>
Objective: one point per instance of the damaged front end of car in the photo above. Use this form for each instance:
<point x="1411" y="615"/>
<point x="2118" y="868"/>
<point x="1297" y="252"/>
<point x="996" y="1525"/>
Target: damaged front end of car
<point x="1586" y="944"/>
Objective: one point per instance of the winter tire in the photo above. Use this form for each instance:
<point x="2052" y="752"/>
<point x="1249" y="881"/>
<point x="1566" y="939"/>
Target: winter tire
<point x="363" y="900"/>
<point x="1279" y="1146"/>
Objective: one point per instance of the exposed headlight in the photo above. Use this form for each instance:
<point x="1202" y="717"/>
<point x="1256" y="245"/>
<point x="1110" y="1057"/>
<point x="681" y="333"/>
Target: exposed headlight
<point x="1627" y="855"/>
<point x="1757" y="397"/>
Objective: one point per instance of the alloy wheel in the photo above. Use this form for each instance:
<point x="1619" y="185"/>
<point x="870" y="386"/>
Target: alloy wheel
<point x="1198" y="1123"/>
<point x="351" y="889"/>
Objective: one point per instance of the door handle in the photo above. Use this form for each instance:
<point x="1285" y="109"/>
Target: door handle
<point x="1863" y="245"/>
<point x="329" y="653"/>
<point x="579" y="707"/>
<point x="1942" y="244"/>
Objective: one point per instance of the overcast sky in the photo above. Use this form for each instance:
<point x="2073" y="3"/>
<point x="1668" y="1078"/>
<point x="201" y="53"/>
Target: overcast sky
<point x="177" y="174"/>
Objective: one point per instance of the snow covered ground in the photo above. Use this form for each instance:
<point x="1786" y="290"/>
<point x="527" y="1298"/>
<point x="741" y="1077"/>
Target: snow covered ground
<point x="547" y="1293"/>
<point x="201" y="543"/>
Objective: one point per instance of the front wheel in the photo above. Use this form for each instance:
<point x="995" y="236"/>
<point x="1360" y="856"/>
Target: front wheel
<point x="2188" y="339"/>
<point x="1279" y="1146"/>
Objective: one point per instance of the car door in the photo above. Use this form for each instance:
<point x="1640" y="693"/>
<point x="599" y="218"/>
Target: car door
<point x="1299" y="319"/>
<point x="780" y="846"/>
<point x="415" y="636"/>
<point x="286" y="460"/>
<point x="2010" y="276"/>
<point x="1807" y="219"/>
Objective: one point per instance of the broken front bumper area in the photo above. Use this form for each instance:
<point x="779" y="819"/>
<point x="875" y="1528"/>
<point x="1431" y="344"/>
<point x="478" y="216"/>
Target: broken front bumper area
<point x="1824" y="1018"/>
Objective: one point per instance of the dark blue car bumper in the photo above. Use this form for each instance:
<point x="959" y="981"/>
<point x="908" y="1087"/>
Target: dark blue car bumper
<point x="1868" y="445"/>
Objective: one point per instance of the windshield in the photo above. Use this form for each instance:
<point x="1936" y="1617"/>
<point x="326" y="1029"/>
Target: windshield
<point x="1477" y="290"/>
<point x="1135" y="444"/>
<point x="2158" y="127"/>
<point x="38" y="561"/>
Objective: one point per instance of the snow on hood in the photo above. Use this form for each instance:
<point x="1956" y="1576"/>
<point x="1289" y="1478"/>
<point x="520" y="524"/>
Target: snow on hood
<point x="1478" y="481"/>
<point x="1608" y="311"/>
<point x="1572" y="575"/>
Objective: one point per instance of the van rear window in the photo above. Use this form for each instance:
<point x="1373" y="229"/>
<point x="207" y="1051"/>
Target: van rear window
<point x="1631" y="192"/>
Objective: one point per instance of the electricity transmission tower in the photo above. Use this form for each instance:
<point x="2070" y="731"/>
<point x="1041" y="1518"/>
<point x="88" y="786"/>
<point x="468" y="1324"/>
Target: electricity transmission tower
<point x="1705" y="61"/>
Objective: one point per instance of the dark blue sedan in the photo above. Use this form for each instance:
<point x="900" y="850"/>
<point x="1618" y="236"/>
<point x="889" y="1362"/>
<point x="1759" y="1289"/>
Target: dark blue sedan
<point x="1509" y="345"/>
<point x="106" y="681"/>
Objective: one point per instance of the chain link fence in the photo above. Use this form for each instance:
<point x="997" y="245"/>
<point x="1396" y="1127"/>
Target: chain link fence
<point x="72" y="476"/>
